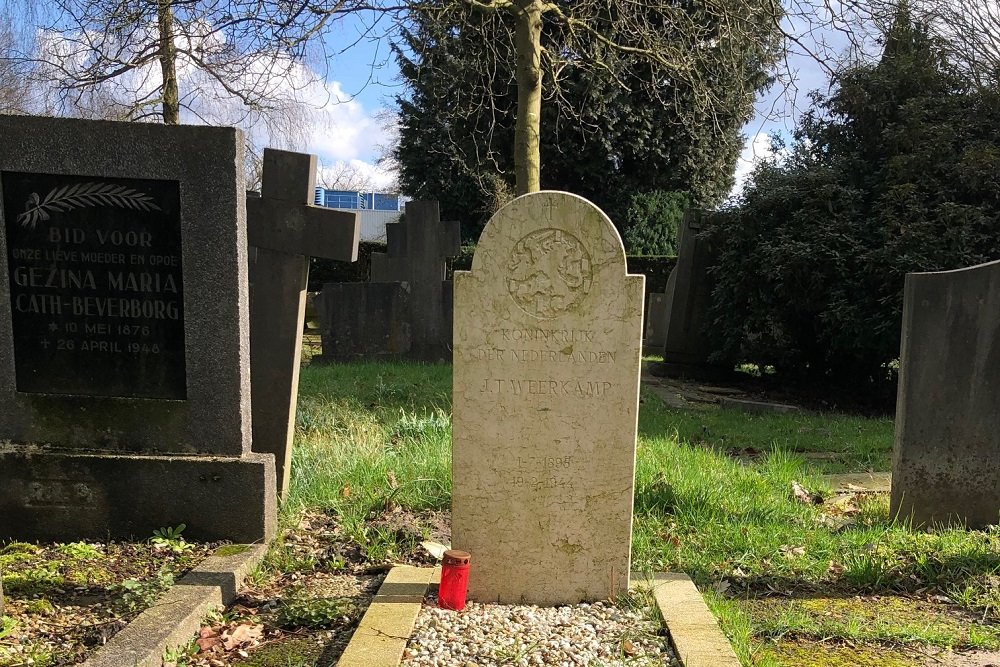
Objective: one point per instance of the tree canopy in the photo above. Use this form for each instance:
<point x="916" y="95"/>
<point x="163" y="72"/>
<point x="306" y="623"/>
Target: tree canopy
<point x="896" y="170"/>
<point x="606" y="131"/>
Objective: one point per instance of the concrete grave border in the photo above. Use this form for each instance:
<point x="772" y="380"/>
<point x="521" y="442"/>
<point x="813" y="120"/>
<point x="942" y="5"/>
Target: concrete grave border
<point x="386" y="627"/>
<point x="176" y="617"/>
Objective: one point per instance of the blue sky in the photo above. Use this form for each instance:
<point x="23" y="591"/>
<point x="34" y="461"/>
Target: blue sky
<point x="343" y="94"/>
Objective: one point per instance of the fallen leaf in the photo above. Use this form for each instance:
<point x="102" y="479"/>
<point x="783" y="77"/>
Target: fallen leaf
<point x="208" y="638"/>
<point x="243" y="633"/>
<point x="628" y="647"/>
<point x="792" y="552"/>
<point x="206" y="644"/>
<point x="801" y="494"/>
<point x="435" y="549"/>
<point x="721" y="586"/>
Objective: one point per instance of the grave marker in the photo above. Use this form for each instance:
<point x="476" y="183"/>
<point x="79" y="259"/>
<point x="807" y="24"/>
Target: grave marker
<point x="656" y="319"/>
<point x="405" y="311"/>
<point x="124" y="383"/>
<point x="284" y="230"/>
<point x="548" y="331"/>
<point x="688" y="296"/>
<point x="946" y="456"/>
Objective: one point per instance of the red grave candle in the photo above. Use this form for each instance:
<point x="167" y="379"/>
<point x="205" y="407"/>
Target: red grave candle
<point x="454" y="579"/>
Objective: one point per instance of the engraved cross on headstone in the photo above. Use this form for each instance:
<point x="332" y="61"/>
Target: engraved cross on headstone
<point x="549" y="205"/>
<point x="284" y="230"/>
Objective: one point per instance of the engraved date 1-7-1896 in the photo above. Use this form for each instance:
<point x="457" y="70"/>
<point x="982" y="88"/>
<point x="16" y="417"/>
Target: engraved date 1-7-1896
<point x="539" y="472"/>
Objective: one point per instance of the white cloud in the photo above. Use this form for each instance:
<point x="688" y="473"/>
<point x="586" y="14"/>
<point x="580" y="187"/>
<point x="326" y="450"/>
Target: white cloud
<point x="356" y="175"/>
<point x="313" y="115"/>
<point x="756" y="148"/>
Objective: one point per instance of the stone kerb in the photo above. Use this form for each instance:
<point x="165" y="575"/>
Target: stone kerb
<point x="547" y="349"/>
<point x="946" y="456"/>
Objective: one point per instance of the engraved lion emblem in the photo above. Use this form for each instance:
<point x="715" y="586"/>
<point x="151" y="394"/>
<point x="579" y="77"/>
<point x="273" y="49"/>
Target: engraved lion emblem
<point x="549" y="273"/>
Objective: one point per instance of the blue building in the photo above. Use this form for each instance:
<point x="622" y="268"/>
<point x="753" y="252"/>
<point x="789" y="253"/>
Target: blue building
<point x="375" y="209"/>
<point x="358" y="201"/>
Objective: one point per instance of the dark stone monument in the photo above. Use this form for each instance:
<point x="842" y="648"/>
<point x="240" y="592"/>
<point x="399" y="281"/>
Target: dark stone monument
<point x="656" y="318"/>
<point x="124" y="334"/>
<point x="946" y="457"/>
<point x="406" y="309"/>
<point x="284" y="231"/>
<point x="364" y="321"/>
<point x="687" y="299"/>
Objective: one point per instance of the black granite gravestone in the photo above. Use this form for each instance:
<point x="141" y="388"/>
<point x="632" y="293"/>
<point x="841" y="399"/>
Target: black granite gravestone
<point x="124" y="331"/>
<point x="97" y="299"/>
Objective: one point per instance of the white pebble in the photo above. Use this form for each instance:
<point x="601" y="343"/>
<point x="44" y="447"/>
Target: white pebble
<point x="489" y="635"/>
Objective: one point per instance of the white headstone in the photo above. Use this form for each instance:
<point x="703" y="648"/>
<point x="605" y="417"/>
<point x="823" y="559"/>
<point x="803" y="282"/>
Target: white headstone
<point x="547" y="350"/>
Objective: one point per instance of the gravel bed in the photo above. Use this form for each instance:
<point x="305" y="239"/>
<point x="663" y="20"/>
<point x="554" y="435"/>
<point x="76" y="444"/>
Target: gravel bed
<point x="488" y="635"/>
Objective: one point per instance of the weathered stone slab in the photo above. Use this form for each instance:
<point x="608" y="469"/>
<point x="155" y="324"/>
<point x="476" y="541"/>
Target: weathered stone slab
<point x="124" y="333"/>
<point x="548" y="331"/>
<point x="59" y="495"/>
<point x="178" y="614"/>
<point x="946" y="457"/>
<point x="761" y="407"/>
<point x="655" y="323"/>
<point x="364" y="321"/>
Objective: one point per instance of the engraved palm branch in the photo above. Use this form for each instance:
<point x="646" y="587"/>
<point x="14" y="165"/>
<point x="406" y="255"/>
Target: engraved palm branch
<point x="82" y="195"/>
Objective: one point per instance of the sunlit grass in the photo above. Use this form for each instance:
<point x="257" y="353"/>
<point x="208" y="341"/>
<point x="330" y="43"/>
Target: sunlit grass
<point x="372" y="436"/>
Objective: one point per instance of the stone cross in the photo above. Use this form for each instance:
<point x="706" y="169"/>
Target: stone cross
<point x="417" y="252"/>
<point x="284" y="230"/>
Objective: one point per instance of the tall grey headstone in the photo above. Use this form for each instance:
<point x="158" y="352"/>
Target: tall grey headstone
<point x="946" y="457"/>
<point x="124" y="334"/>
<point x="285" y="230"/>
<point x="656" y="317"/>
<point x="548" y="330"/>
<point x="688" y="293"/>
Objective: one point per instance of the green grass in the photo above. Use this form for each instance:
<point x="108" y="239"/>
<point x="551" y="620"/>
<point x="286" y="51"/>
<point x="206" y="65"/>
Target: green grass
<point x="374" y="436"/>
<point x="370" y="436"/>
<point x="860" y="443"/>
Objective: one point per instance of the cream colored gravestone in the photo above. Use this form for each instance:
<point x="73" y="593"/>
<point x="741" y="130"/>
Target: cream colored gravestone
<point x="547" y="343"/>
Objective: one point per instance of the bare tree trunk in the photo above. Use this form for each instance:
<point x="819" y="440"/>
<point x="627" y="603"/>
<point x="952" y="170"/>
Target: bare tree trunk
<point x="168" y="63"/>
<point x="528" y="44"/>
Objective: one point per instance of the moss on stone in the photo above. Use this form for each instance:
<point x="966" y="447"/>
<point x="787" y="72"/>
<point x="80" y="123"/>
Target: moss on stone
<point x="811" y="654"/>
<point x="292" y="652"/>
<point x="40" y="606"/>
<point x="231" y="550"/>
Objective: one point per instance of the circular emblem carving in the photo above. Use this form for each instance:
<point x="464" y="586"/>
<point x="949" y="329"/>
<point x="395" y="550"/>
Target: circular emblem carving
<point x="549" y="273"/>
